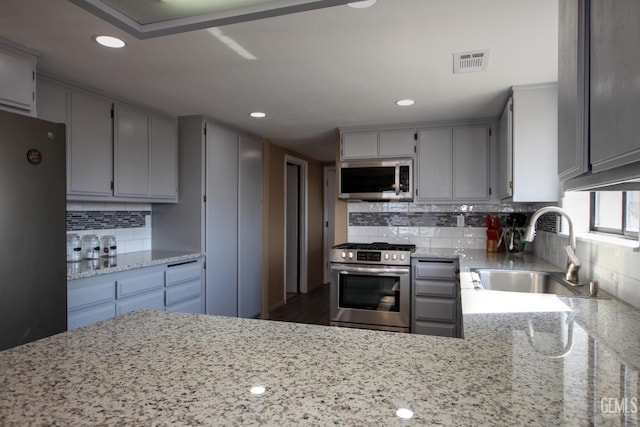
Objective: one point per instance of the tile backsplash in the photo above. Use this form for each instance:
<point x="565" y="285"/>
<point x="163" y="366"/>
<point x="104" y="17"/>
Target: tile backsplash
<point x="426" y="226"/>
<point x="615" y="267"/>
<point x="130" y="223"/>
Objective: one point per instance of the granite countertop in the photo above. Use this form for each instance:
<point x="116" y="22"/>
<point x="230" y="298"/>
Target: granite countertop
<point x="127" y="261"/>
<point x="577" y="365"/>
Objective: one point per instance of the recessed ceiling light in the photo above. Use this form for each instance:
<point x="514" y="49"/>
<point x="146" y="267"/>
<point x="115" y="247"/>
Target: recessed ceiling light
<point x="109" y="41"/>
<point x="258" y="114"/>
<point x="405" y="102"/>
<point x="257" y="390"/>
<point x="361" y="4"/>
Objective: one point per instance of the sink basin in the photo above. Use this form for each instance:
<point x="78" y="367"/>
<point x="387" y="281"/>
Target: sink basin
<point x="537" y="282"/>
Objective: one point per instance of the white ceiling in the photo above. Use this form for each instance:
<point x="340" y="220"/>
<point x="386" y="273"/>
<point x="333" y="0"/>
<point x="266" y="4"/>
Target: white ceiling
<point x="315" y="71"/>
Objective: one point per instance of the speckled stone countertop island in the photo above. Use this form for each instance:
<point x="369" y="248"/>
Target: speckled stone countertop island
<point x="160" y="368"/>
<point x="127" y="261"/>
<point x="573" y="366"/>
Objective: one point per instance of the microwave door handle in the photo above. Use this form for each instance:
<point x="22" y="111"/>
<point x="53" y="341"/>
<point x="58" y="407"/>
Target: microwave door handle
<point x="397" y="180"/>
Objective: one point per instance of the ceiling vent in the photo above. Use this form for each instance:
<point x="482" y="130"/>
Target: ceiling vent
<point x="469" y="62"/>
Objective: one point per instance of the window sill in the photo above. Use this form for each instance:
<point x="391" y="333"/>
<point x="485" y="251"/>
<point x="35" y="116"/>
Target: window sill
<point x="612" y="240"/>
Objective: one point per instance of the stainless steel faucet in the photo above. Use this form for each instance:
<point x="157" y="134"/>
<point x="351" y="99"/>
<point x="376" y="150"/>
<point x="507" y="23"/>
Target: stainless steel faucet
<point x="573" y="263"/>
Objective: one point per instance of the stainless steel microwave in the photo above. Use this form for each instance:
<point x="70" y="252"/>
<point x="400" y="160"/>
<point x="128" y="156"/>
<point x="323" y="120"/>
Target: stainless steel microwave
<point x="378" y="180"/>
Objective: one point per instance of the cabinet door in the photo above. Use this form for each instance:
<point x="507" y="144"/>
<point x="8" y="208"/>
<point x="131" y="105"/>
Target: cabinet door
<point x="89" y="146"/>
<point x="17" y="79"/>
<point x="250" y="227"/>
<point x="52" y="102"/>
<point x="396" y="143"/>
<point x="572" y="41"/>
<point x="505" y="152"/>
<point x="149" y="301"/>
<point x="535" y="143"/>
<point x="131" y="151"/>
<point x="471" y="163"/>
<point x="221" y="221"/>
<point x="360" y="145"/>
<point x="163" y="157"/>
<point x="614" y="88"/>
<point x="434" y="164"/>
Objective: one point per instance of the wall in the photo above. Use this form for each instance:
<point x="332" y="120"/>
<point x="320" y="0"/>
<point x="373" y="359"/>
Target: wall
<point x="274" y="218"/>
<point x="130" y="223"/>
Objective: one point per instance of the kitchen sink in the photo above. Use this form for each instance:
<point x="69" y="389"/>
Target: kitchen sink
<point x="537" y="282"/>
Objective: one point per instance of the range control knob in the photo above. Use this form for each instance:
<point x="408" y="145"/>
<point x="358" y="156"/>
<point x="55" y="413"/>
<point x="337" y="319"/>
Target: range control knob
<point x="402" y="257"/>
<point x="386" y="256"/>
<point x="394" y="256"/>
<point x="350" y="255"/>
<point x="343" y="254"/>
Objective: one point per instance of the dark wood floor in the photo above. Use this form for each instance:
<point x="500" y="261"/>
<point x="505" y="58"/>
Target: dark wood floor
<point x="312" y="307"/>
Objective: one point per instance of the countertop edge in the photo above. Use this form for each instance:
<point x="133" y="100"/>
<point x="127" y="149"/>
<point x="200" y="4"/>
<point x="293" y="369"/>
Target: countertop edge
<point x="127" y="261"/>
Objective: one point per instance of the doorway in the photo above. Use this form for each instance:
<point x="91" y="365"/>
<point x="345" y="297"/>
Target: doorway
<point x="295" y="227"/>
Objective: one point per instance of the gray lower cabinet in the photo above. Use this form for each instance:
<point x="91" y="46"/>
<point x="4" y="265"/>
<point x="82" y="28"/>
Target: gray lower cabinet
<point x="90" y="300"/>
<point x="184" y="286"/>
<point x="435" y="297"/>
<point x="171" y="287"/>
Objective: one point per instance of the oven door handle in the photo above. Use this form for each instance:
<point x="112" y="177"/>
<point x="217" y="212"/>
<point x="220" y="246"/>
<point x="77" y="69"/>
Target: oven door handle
<point x="347" y="269"/>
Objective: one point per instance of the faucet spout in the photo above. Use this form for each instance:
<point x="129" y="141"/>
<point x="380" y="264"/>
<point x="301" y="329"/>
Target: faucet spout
<point x="573" y="262"/>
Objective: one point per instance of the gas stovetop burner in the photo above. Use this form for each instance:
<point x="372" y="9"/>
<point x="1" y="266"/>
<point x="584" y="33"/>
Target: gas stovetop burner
<point x="376" y="246"/>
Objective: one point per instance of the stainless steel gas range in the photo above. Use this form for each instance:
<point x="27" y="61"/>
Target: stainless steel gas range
<point x="370" y="286"/>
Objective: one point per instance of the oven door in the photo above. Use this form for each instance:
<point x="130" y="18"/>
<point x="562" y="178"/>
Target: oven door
<point x="370" y="296"/>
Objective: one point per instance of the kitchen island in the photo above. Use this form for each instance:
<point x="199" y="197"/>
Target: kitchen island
<point x="160" y="368"/>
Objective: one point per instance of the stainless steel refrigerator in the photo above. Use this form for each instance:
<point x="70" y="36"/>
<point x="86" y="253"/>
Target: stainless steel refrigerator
<point x="33" y="281"/>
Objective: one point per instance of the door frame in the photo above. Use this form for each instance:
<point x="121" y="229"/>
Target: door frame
<point x="327" y="216"/>
<point x="304" y="230"/>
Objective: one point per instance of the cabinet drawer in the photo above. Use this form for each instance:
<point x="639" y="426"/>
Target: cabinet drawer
<point x="91" y="315"/>
<point x="138" y="284"/>
<point x="183" y="273"/>
<point x="183" y="291"/>
<point x="193" y="305"/>
<point x="434" y="269"/>
<point x="90" y="295"/>
<point x="435" y="288"/>
<point x="443" y="310"/>
<point x="152" y="301"/>
<point x="439" y="329"/>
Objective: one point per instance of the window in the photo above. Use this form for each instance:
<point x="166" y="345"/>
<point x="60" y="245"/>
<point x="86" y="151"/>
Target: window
<point x="616" y="212"/>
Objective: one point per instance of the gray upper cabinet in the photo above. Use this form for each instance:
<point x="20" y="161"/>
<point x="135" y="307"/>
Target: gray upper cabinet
<point x="163" y="157"/>
<point x="17" y="79"/>
<point x="599" y="130"/>
<point x="573" y="159"/>
<point x="89" y="147"/>
<point x="359" y="145"/>
<point x="453" y="163"/>
<point x="146" y="154"/>
<point x="378" y="144"/>
<point x="115" y="152"/>
<point x="504" y="166"/>
<point x="614" y="89"/>
<point x="528" y="134"/>
<point x="471" y="163"/>
<point x="131" y="151"/>
<point x="396" y="143"/>
<point x="434" y="164"/>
